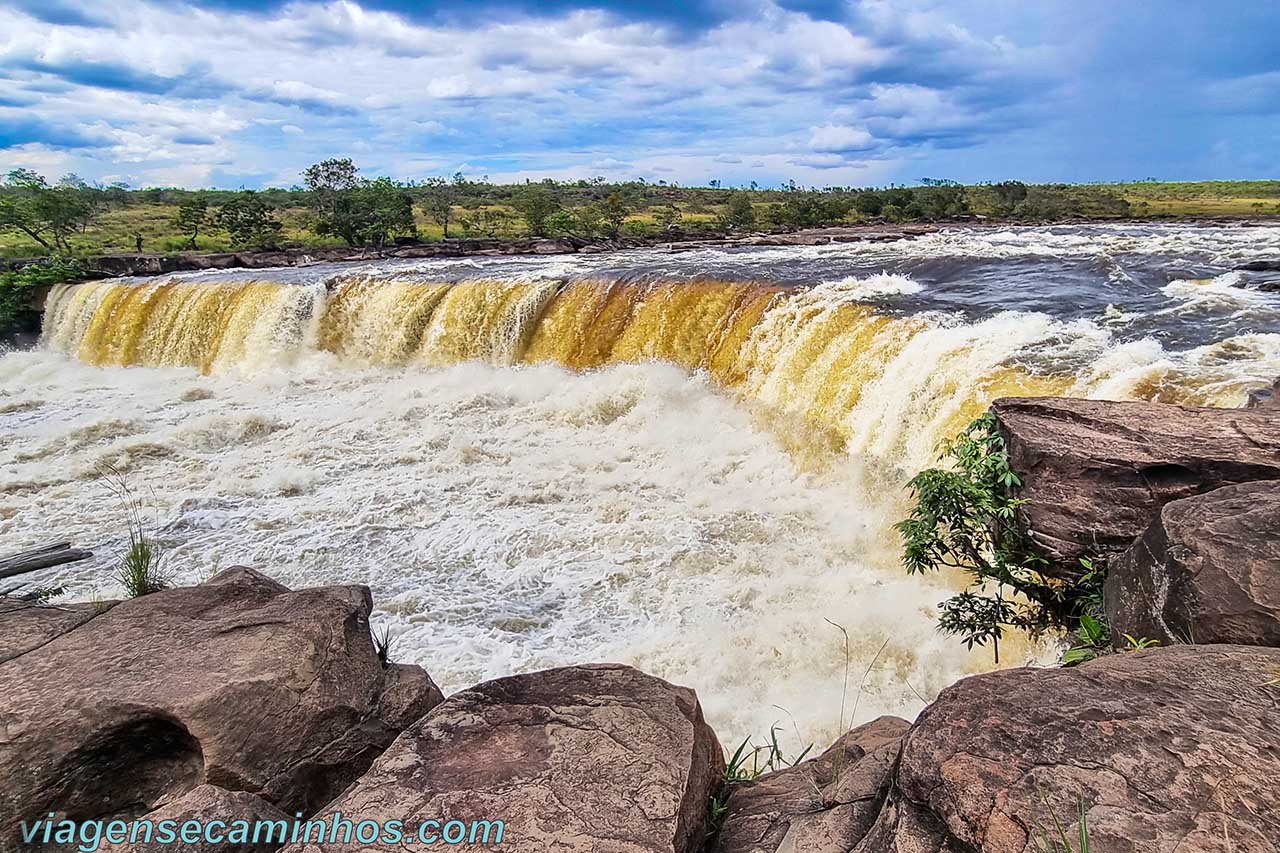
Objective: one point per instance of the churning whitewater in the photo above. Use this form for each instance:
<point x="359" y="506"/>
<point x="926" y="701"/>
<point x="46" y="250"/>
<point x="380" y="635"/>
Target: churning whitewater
<point x="686" y="462"/>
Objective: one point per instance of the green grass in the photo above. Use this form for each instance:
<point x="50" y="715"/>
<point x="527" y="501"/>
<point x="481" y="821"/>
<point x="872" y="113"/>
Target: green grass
<point x="141" y="568"/>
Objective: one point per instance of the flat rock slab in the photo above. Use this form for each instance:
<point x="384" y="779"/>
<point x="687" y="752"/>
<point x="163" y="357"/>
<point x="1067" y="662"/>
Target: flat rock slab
<point x="1096" y="473"/>
<point x="596" y="759"/>
<point x="824" y="805"/>
<point x="1207" y="570"/>
<point x="238" y="682"/>
<point x="26" y="626"/>
<point x="1168" y="749"/>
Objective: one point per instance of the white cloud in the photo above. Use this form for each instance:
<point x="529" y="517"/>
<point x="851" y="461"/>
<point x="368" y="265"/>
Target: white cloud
<point x="565" y="91"/>
<point x="839" y="137"/>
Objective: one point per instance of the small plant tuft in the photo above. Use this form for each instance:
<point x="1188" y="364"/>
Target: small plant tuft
<point x="382" y="642"/>
<point x="140" y="570"/>
<point x="1060" y="840"/>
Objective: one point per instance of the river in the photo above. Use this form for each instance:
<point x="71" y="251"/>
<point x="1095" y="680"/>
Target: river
<point x="686" y="461"/>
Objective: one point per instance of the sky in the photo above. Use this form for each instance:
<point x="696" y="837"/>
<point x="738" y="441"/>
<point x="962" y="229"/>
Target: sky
<point x="230" y="93"/>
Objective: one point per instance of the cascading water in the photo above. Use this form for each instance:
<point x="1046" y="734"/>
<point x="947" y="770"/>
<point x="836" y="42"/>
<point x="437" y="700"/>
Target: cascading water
<point x="683" y="468"/>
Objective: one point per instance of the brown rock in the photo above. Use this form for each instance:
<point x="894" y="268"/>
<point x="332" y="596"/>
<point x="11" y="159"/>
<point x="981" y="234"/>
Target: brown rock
<point x="825" y="805"/>
<point x="204" y="804"/>
<point x="1167" y="749"/>
<point x="236" y="682"/>
<point x="1206" y="571"/>
<point x="25" y="625"/>
<point x="1261" y="397"/>
<point x="597" y="759"/>
<point x="1096" y="473"/>
<point x="407" y="694"/>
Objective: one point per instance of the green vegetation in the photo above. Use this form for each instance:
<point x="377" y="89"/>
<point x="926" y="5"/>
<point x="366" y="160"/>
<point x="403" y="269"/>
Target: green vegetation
<point x="1059" y="839"/>
<point x="361" y="212"/>
<point x="249" y="222"/>
<point x="140" y="570"/>
<point x="15" y="284"/>
<point x="335" y="206"/>
<point x="965" y="519"/>
<point x="382" y="642"/>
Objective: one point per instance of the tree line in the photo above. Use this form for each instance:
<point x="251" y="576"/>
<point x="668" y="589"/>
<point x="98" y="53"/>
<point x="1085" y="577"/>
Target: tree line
<point x="335" y="202"/>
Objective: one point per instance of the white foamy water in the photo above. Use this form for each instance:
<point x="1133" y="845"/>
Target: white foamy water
<point x="703" y="522"/>
<point x="506" y="519"/>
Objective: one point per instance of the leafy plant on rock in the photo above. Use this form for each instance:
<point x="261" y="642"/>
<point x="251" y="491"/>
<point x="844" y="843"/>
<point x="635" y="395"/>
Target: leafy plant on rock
<point x="966" y="518"/>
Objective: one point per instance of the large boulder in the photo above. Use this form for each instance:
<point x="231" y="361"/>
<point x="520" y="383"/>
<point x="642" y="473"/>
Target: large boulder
<point x="237" y="811"/>
<point x="824" y="805"/>
<point x="1165" y="749"/>
<point x="597" y="759"/>
<point x="238" y="682"/>
<point x="1094" y="473"/>
<point x="27" y="625"/>
<point x="1206" y="571"/>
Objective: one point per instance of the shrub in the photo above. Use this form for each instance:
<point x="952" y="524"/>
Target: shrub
<point x="966" y="518"/>
<point x="14" y="285"/>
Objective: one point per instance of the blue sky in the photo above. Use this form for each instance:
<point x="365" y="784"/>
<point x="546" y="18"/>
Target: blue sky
<point x="230" y="93"/>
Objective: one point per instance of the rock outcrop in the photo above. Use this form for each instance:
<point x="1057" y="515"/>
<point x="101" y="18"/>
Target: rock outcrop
<point x="204" y="804"/>
<point x="238" y="682"/>
<point x="1167" y="749"/>
<point x="26" y="626"/>
<point x="1096" y="473"/>
<point x="824" y="805"/>
<point x="597" y="759"/>
<point x="1261" y="397"/>
<point x="1207" y="570"/>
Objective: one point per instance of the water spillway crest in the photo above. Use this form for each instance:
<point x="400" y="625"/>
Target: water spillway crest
<point x="819" y="360"/>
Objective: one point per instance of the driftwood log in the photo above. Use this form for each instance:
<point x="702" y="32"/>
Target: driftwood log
<point x="46" y="556"/>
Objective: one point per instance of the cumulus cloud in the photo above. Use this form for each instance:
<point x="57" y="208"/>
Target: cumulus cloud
<point x="762" y="91"/>
<point x="839" y="137"/>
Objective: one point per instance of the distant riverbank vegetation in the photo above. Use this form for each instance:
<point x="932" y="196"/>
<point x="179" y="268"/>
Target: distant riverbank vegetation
<point x="335" y="205"/>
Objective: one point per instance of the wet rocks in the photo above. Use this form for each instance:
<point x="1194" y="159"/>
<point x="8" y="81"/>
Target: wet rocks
<point x="1170" y="748"/>
<point x="599" y="758"/>
<point x="1096" y="473"/>
<point x="1261" y="397"/>
<point x="1207" y="570"/>
<point x="238" y="682"/>
<point x="824" y="805"/>
<point x="1261" y="265"/>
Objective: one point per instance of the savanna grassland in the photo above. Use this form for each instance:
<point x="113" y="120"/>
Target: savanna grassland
<point x="334" y="206"/>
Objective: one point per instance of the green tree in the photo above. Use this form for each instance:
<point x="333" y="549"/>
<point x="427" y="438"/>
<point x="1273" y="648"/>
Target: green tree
<point x="869" y="202"/>
<point x="438" y="198"/>
<point x="535" y="203"/>
<point x="50" y="215"/>
<point x="1008" y="195"/>
<point x="248" y="220"/>
<point x="667" y="217"/>
<point x="379" y="210"/>
<point x="738" y="212"/>
<point x="613" y="212"/>
<point x="587" y="220"/>
<point x="561" y="223"/>
<point x="15" y="285"/>
<point x="192" y="215"/>
<point x="331" y="184"/>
